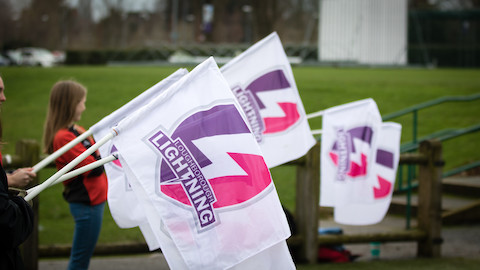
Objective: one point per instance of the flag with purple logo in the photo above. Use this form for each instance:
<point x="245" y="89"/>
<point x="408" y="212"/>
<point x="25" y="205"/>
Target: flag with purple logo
<point x="122" y="202"/>
<point x="204" y="175"/>
<point x="262" y="81"/>
<point x="163" y="238"/>
<point x="383" y="172"/>
<point x="349" y="139"/>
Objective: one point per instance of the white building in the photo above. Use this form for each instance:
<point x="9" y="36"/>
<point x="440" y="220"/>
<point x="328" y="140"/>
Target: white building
<point x="372" y="32"/>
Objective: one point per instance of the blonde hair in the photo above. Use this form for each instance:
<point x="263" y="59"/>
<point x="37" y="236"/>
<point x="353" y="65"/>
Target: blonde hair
<point x="64" y="98"/>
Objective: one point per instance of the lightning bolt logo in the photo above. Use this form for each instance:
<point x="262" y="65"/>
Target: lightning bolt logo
<point x="385" y="159"/>
<point x="202" y="166"/>
<point x="268" y="103"/>
<point x="348" y="152"/>
<point x="349" y="155"/>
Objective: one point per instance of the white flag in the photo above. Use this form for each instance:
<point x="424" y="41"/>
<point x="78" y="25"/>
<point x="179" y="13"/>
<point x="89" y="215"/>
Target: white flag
<point x="348" y="148"/>
<point x="160" y="234"/>
<point x="122" y="202"/>
<point x="383" y="172"/>
<point x="200" y="167"/>
<point x="262" y="80"/>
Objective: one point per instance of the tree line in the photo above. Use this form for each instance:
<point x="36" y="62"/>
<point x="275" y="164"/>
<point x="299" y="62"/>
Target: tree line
<point x="56" y="24"/>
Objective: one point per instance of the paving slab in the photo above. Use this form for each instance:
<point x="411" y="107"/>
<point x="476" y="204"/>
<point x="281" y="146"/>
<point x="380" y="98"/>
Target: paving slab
<point x="149" y="261"/>
<point x="458" y="242"/>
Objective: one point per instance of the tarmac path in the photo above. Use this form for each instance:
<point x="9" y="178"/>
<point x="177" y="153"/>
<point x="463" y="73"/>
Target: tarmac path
<point x="458" y="241"/>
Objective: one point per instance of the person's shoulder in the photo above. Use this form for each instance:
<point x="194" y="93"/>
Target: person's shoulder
<point x="80" y="129"/>
<point x="62" y="137"/>
<point x="63" y="134"/>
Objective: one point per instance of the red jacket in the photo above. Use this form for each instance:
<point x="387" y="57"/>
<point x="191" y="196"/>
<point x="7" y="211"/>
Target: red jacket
<point x="89" y="187"/>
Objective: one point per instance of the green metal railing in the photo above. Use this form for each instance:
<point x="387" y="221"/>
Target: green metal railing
<point x="414" y="110"/>
<point x="442" y="135"/>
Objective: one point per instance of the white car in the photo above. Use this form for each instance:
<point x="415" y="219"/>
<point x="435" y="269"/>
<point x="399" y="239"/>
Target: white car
<point x="59" y="57"/>
<point x="36" y="57"/>
<point x="4" y="61"/>
<point x="15" y="57"/>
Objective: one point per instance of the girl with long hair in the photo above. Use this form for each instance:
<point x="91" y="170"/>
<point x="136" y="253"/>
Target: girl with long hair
<point x="87" y="193"/>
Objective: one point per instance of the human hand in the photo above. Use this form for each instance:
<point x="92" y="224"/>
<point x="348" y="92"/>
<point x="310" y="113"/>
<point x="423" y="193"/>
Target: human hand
<point x="20" y="177"/>
<point x="17" y="192"/>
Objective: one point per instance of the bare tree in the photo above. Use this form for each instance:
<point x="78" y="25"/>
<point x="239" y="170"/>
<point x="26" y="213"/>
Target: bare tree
<point x="6" y="22"/>
<point x="40" y="23"/>
<point x="265" y="14"/>
<point x="110" y="28"/>
<point x="297" y="21"/>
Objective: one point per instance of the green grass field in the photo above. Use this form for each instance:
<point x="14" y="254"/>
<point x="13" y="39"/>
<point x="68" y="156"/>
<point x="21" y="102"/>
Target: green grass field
<point x="27" y="91"/>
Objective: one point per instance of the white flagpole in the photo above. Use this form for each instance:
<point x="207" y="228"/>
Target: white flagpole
<point x="136" y="101"/>
<point x="70" y="166"/>
<point x="40" y="165"/>
<point x="81" y="170"/>
<point x="315" y="114"/>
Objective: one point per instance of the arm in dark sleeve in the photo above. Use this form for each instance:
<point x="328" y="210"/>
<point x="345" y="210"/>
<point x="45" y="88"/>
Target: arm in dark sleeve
<point x="16" y="220"/>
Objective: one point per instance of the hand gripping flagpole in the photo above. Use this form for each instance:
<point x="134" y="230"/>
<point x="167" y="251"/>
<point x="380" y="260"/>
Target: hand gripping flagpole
<point x="40" y="165"/>
<point x="81" y="170"/>
<point x="70" y="165"/>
